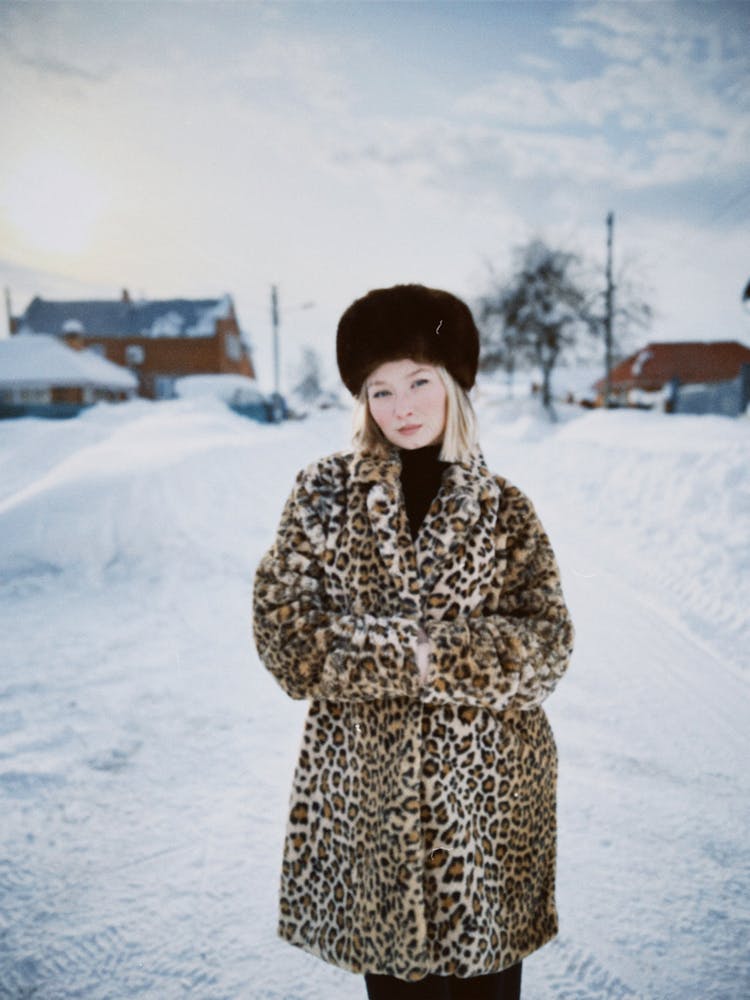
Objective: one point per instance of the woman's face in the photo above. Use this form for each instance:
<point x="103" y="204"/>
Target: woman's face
<point x="407" y="401"/>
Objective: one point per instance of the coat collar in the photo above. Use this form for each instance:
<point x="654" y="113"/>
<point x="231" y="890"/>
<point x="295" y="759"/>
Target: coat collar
<point x="463" y="508"/>
<point x="469" y="480"/>
<point x="374" y="467"/>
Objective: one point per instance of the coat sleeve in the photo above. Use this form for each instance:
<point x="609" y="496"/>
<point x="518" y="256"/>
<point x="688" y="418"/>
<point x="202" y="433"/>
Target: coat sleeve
<point x="512" y="654"/>
<point x="313" y="650"/>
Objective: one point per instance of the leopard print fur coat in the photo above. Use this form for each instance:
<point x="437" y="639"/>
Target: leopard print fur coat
<point x="421" y="833"/>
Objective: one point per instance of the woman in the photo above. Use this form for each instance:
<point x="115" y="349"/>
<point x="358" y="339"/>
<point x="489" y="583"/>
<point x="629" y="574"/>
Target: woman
<point x="414" y="599"/>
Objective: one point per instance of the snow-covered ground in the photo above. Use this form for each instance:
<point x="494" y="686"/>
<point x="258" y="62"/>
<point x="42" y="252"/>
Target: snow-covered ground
<point x="146" y="756"/>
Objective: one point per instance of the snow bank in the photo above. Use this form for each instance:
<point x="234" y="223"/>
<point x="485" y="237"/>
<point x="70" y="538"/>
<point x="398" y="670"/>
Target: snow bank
<point x="666" y="499"/>
<point x="174" y="488"/>
<point x="238" y="389"/>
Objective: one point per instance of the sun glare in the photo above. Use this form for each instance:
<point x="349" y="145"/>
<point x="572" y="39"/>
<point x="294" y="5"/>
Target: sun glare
<point x="53" y="202"/>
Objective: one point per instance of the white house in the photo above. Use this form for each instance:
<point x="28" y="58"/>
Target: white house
<point x="40" y="373"/>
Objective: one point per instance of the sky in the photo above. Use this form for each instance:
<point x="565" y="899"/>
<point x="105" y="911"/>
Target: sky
<point x="195" y="149"/>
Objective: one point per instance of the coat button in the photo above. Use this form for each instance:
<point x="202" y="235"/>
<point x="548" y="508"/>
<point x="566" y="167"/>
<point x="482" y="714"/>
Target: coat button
<point x="358" y="727"/>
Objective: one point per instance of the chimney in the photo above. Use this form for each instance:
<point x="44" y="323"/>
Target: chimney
<point x="125" y="298"/>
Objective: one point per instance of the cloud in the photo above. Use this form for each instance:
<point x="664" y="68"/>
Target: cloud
<point x="49" y="65"/>
<point x="667" y="105"/>
<point x="296" y="70"/>
<point x="539" y="63"/>
<point x="31" y="40"/>
<point x="514" y="99"/>
<point x="674" y="31"/>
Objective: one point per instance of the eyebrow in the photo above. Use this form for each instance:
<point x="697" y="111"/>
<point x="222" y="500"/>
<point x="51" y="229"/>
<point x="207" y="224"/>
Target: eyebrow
<point x="410" y="375"/>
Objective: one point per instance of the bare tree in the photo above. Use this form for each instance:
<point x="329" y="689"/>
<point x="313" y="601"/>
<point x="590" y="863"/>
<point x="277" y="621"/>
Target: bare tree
<point x="551" y="309"/>
<point x="537" y="316"/>
<point x="308" y="387"/>
<point x="500" y="348"/>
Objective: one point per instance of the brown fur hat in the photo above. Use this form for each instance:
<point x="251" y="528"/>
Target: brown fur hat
<point x="407" y="321"/>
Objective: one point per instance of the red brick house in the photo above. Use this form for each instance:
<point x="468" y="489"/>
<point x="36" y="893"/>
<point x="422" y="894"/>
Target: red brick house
<point x="655" y="366"/>
<point x="159" y="341"/>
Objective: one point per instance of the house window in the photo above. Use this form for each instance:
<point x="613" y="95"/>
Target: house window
<point x="134" y="355"/>
<point x="232" y="347"/>
<point x="34" y="396"/>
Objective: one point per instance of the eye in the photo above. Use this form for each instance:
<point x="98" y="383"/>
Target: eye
<point x="379" y="394"/>
<point x="417" y="383"/>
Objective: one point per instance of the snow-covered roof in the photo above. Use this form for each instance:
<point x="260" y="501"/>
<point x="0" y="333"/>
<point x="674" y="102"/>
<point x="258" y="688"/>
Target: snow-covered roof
<point x="691" y="362"/>
<point x="39" y="361"/>
<point x="126" y="318"/>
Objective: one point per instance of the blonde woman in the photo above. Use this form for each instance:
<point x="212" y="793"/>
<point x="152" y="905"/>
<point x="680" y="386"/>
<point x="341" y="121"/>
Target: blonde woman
<point x="414" y="599"/>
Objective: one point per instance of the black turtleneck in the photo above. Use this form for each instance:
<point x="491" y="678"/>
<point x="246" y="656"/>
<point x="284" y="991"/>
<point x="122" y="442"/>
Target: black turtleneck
<point x="421" y="472"/>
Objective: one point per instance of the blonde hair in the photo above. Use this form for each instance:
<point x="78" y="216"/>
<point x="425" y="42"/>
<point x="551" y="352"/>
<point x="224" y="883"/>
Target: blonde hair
<point x="461" y="434"/>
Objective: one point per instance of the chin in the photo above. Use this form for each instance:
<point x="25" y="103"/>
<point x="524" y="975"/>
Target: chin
<point x="412" y="443"/>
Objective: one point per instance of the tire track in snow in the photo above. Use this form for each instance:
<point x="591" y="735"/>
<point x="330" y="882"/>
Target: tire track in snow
<point x="573" y="973"/>
<point x="716" y="690"/>
<point x="655" y="795"/>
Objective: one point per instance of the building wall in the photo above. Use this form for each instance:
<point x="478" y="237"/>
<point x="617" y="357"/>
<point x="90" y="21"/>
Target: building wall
<point x="728" y="399"/>
<point x="157" y="361"/>
<point x="50" y="396"/>
<point x="69" y="394"/>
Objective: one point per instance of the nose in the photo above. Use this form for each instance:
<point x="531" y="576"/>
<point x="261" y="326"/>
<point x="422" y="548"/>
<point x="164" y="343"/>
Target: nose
<point x="403" y="407"/>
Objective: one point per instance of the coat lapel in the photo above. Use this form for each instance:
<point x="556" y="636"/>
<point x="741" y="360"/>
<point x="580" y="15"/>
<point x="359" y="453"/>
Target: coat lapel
<point x="390" y="527"/>
<point x="458" y="537"/>
<point x="457" y="533"/>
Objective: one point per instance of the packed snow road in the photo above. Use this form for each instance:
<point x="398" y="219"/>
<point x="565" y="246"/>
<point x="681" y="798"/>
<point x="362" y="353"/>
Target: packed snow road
<point x="145" y="755"/>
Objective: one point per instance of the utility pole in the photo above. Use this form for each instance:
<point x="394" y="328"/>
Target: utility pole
<point x="608" y="316"/>
<point x="9" y="311"/>
<point x="275" y="327"/>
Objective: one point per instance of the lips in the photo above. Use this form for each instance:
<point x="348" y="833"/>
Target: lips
<point x="410" y="429"/>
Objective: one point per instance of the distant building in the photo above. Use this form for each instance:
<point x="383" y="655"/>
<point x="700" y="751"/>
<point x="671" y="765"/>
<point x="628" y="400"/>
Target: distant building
<point x="41" y="376"/>
<point x="650" y="371"/>
<point x="158" y="341"/>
